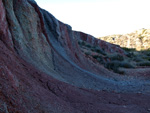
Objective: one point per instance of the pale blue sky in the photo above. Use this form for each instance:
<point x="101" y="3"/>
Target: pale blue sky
<point x="101" y="17"/>
<point x="70" y="1"/>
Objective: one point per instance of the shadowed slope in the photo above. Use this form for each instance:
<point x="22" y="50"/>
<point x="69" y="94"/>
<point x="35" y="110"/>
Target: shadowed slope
<point x="42" y="68"/>
<point x="51" y="46"/>
<point x="24" y="89"/>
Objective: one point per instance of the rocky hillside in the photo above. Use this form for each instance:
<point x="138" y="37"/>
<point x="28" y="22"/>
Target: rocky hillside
<point x="44" y="68"/>
<point x="140" y="39"/>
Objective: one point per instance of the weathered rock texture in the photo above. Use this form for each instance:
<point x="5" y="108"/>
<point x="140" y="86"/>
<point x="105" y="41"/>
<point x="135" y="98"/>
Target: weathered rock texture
<point x="140" y="39"/>
<point x="42" y="69"/>
<point x="108" y="47"/>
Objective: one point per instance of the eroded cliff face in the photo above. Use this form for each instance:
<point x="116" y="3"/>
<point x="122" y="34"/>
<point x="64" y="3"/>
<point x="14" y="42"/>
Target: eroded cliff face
<point x="42" y="68"/>
<point x="48" y="44"/>
<point x="140" y="39"/>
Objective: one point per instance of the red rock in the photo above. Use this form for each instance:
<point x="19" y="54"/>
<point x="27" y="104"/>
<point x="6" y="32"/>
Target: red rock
<point x="42" y="69"/>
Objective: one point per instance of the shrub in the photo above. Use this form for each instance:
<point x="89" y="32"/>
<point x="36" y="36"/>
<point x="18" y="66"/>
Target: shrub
<point x="128" y="49"/>
<point x="146" y="52"/>
<point x="100" y="60"/>
<point x="87" y="45"/>
<point x="100" y="51"/>
<point x="95" y="56"/>
<point x="144" y="63"/>
<point x="130" y="54"/>
<point x="126" y="65"/>
<point x="82" y="43"/>
<point x="114" y="65"/>
<point x="87" y="53"/>
<point x="116" y="57"/>
<point x="137" y="59"/>
<point x="92" y="49"/>
<point x="146" y="58"/>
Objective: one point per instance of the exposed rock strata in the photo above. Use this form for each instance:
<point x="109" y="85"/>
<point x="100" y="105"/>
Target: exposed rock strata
<point x="42" y="68"/>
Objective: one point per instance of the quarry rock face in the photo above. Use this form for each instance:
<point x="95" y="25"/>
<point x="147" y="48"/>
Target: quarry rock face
<point x="42" y="68"/>
<point x="140" y="39"/>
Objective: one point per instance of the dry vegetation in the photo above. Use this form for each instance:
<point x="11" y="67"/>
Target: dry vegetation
<point x="140" y="39"/>
<point x="115" y="61"/>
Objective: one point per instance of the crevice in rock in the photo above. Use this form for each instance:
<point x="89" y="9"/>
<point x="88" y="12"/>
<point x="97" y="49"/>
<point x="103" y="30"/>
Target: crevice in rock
<point x="51" y="89"/>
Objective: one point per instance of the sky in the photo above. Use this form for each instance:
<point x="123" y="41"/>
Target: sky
<point x="100" y="17"/>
